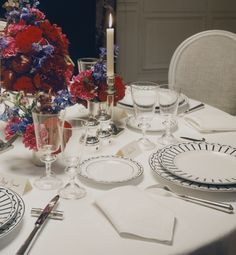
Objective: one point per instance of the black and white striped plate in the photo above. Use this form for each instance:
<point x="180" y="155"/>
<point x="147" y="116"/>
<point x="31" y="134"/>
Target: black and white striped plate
<point x="208" y="163"/>
<point x="167" y="176"/>
<point x="8" y="206"/>
<point x="15" y="221"/>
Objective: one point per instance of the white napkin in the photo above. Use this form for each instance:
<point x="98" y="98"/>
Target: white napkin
<point x="210" y="122"/>
<point x="135" y="212"/>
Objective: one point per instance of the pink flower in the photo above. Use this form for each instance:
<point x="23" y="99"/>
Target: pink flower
<point x="82" y="86"/>
<point x="29" y="139"/>
<point x="11" y="49"/>
<point x="14" y="28"/>
<point x="8" y="132"/>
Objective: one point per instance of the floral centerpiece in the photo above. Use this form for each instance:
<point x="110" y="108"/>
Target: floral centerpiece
<point x="91" y="85"/>
<point x="34" y="60"/>
<point x="37" y="68"/>
<point x="34" y="52"/>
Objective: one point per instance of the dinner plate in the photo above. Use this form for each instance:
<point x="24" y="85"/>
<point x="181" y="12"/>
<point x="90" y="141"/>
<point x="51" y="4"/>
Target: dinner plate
<point x="167" y="176"/>
<point x="110" y="169"/>
<point x="11" y="225"/>
<point x="208" y="163"/>
<point x="156" y="124"/>
<point x="127" y="101"/>
<point x="8" y="206"/>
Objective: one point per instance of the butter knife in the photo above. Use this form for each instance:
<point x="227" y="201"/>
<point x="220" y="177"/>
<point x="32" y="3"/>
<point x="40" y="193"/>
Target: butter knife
<point x="39" y="222"/>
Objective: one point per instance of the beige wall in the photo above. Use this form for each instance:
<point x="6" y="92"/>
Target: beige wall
<point x="148" y="32"/>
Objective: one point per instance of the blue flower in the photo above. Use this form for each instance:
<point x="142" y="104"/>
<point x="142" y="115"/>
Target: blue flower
<point x="62" y="100"/>
<point x="26" y="15"/>
<point x="13" y="16"/>
<point x="43" y="52"/>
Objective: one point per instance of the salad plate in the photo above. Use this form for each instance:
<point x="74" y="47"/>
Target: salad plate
<point x="110" y="169"/>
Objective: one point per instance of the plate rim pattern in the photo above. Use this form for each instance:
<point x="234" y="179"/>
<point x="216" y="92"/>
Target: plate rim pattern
<point x="176" y="149"/>
<point x="14" y="202"/>
<point x="86" y="161"/>
<point x="16" y="220"/>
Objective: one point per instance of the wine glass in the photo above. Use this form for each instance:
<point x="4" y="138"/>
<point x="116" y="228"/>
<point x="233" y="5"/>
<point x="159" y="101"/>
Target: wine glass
<point x="47" y="132"/>
<point x="73" y="138"/>
<point x="144" y="95"/>
<point x="168" y="102"/>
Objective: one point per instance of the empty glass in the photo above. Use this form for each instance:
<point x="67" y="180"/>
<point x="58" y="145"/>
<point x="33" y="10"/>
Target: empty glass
<point x="73" y="138"/>
<point x="144" y="95"/>
<point x="86" y="63"/>
<point x="168" y="102"/>
<point x="47" y="132"/>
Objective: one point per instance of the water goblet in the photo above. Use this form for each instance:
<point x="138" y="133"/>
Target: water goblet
<point x="73" y="138"/>
<point x="168" y="102"/>
<point x="144" y="95"/>
<point x="86" y="63"/>
<point x="47" y="132"/>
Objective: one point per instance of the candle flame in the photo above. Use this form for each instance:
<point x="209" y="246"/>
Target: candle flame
<point x="110" y="20"/>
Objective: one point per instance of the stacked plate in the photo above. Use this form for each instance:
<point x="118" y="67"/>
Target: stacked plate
<point x="203" y="166"/>
<point x="12" y="209"/>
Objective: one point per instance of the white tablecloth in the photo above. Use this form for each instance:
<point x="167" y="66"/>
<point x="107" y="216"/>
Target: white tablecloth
<point x="86" y="231"/>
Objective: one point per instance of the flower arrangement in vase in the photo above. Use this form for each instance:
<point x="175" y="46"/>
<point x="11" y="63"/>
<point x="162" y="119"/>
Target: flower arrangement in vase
<point x="91" y="85"/>
<point x="35" y="62"/>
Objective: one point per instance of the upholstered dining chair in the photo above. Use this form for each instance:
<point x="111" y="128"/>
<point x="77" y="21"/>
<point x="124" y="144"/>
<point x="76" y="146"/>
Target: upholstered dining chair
<point x="204" y="67"/>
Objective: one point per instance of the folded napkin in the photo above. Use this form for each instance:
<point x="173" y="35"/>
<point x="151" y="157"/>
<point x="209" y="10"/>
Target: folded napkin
<point x="137" y="213"/>
<point x="210" y="122"/>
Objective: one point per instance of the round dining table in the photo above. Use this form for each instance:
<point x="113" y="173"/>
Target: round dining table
<point x="85" y="230"/>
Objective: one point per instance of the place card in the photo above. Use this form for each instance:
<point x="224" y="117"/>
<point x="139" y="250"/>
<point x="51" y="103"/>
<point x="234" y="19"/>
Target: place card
<point x="131" y="150"/>
<point x="19" y="184"/>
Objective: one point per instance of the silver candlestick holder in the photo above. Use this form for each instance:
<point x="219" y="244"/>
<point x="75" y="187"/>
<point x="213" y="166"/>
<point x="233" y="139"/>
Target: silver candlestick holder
<point x="115" y="130"/>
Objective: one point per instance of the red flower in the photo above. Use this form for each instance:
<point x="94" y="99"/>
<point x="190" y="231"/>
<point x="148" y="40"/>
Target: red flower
<point x="54" y="35"/>
<point x="29" y="139"/>
<point x="119" y="90"/>
<point x="82" y="86"/>
<point x="21" y="64"/>
<point x="40" y="84"/>
<point x="26" y="37"/>
<point x="8" y="78"/>
<point x="24" y="83"/>
<point x="37" y="14"/>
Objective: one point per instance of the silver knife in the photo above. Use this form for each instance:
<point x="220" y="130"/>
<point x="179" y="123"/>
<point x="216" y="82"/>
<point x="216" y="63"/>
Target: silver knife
<point x="39" y="222"/>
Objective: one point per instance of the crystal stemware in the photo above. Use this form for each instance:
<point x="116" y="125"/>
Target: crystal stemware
<point x="86" y="63"/>
<point x="73" y="138"/>
<point x="47" y="132"/>
<point x="168" y="102"/>
<point x="144" y="95"/>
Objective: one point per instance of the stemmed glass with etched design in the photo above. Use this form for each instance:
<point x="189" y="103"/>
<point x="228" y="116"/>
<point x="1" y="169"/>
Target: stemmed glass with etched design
<point x="168" y="99"/>
<point x="47" y="131"/>
<point x="144" y="95"/>
<point x="73" y="138"/>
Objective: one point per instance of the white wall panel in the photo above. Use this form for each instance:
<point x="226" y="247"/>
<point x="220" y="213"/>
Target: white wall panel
<point x="148" y="32"/>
